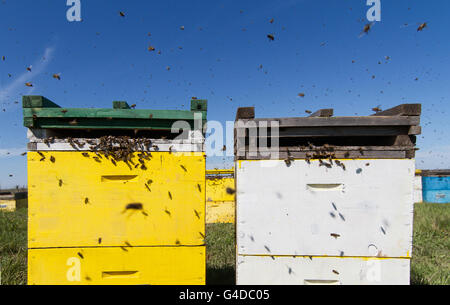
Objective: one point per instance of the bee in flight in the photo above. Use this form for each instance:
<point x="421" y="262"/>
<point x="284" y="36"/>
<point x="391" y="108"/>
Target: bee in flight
<point x="421" y="27"/>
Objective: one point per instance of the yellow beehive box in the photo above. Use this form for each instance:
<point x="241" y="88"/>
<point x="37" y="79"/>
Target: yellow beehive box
<point x="79" y="201"/>
<point x="136" y="226"/>
<point x="109" y="206"/>
<point x="115" y="265"/>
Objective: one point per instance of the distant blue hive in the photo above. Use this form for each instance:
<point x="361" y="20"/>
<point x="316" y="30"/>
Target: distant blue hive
<point x="436" y="186"/>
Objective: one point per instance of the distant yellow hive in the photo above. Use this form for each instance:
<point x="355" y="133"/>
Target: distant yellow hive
<point x="220" y="205"/>
<point x="7" y="204"/>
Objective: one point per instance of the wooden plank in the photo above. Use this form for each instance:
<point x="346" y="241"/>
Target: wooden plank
<point x="7" y="197"/>
<point x="371" y="154"/>
<point x="318" y="270"/>
<point x="39" y="112"/>
<point x="108" y="119"/>
<point x="117" y="265"/>
<point x="220" y="171"/>
<point x="191" y="144"/>
<point x="343" y="148"/>
<point x="418" y="196"/>
<point x="121" y="105"/>
<point x="415" y="130"/>
<point x="199" y="105"/>
<point x="402" y="110"/>
<point x="162" y="147"/>
<point x="104" y="113"/>
<point x="410" y="154"/>
<point x="37" y="101"/>
<point x="338" y="152"/>
<point x="220" y="211"/>
<point x="342" y="131"/>
<point x="245" y="113"/>
<point x="83" y="188"/>
<point x="404" y="140"/>
<point x="105" y="124"/>
<point x="31" y="146"/>
<point x="38" y="137"/>
<point x="323" y="113"/>
<point x="342" y="121"/>
<point x="435" y="172"/>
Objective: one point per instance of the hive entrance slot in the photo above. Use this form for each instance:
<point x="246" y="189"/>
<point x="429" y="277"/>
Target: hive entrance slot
<point x="322" y="282"/>
<point x="119" y="274"/>
<point x="317" y="187"/>
<point x="119" y="178"/>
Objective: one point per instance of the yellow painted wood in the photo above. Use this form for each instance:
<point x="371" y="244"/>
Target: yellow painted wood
<point x="8" y="205"/>
<point x="220" y="206"/>
<point x="216" y="189"/>
<point x="220" y="171"/>
<point x="78" y="201"/>
<point x="220" y="212"/>
<point x="111" y="266"/>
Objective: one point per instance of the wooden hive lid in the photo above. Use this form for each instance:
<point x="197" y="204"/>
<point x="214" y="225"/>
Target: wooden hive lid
<point x="386" y="134"/>
<point x="41" y="113"/>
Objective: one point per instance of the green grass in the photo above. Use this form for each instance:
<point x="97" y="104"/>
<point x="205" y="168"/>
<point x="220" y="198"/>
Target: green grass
<point x="430" y="263"/>
<point x="220" y="254"/>
<point x="13" y="247"/>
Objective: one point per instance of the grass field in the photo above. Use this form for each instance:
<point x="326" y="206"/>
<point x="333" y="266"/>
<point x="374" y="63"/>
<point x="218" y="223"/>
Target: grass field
<point x="13" y="247"/>
<point x="430" y="263"/>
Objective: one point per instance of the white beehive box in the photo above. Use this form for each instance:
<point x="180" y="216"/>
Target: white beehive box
<point x="287" y="270"/>
<point x="418" y="188"/>
<point x="299" y="222"/>
<point x="337" y="217"/>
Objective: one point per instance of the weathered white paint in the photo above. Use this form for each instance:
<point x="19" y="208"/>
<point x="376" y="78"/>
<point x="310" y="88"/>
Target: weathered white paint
<point x="37" y="137"/>
<point x="64" y="146"/>
<point x="298" y="209"/>
<point x="265" y="270"/>
<point x="418" y="189"/>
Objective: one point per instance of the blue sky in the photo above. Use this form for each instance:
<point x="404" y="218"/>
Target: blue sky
<point x="223" y="44"/>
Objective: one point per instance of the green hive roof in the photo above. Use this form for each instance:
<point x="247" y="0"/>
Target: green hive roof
<point x="39" y="112"/>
